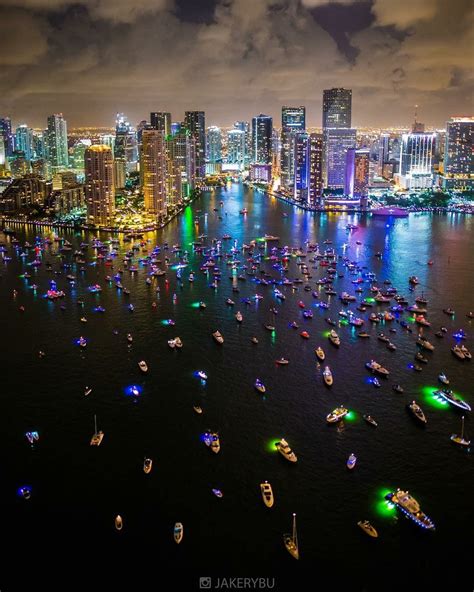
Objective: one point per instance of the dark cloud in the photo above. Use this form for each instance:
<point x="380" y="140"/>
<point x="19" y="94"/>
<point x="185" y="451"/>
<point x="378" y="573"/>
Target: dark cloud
<point x="234" y="58"/>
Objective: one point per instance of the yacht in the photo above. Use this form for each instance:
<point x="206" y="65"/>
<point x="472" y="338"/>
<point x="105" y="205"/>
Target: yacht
<point x="230" y="302"/>
<point x="172" y="343"/>
<point x="217" y="492"/>
<point x="337" y="414"/>
<point x="282" y="362"/>
<point x="32" y="437"/>
<point x="363" y="335"/>
<point x="178" y="532"/>
<point x="375" y="367"/>
<point x="460" y="440"/>
<point x="320" y="354"/>
<point x="260" y="386"/>
<point x="376" y="382"/>
<point x="421" y="358"/>
<point x="218" y="337"/>
<point x="98" y="435"/>
<point x="449" y="311"/>
<point x="147" y="464"/>
<point x="466" y="353"/>
<point x="417" y="412"/>
<point x="197" y="409"/>
<point x="143" y="366"/>
<point x="368" y="528"/>
<point x="424" y="343"/>
<point x="118" y="522"/>
<point x="327" y="376"/>
<point x="267" y="494"/>
<point x="334" y="338"/>
<point x="450" y="397"/>
<point x="457" y="351"/>
<point x="410" y="507"/>
<point x="291" y="541"/>
<point x="211" y="439"/>
<point x="351" y="461"/>
<point x="202" y="375"/>
<point x="284" y="449"/>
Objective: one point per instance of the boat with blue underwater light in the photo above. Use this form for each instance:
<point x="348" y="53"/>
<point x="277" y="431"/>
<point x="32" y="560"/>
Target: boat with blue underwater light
<point x="409" y="506"/>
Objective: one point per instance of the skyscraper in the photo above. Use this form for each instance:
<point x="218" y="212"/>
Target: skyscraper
<point x="126" y="146"/>
<point x="236" y="148"/>
<point x="181" y="150"/>
<point x="293" y="120"/>
<point x="161" y="121"/>
<point x="100" y="189"/>
<point x="459" y="156"/>
<point x="357" y="173"/>
<point x="57" y="142"/>
<point x="416" y="159"/>
<point x="24" y="141"/>
<point x="244" y="126"/>
<point x="315" y="189"/>
<point x="262" y="126"/>
<point x="337" y="142"/>
<point x="337" y="108"/>
<point x="214" y="144"/>
<point x="195" y="122"/>
<point x="153" y="171"/>
<point x="6" y="133"/>
<point x="300" y="158"/>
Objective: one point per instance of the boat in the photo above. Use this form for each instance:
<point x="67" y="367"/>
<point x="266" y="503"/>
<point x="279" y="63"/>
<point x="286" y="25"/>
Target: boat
<point x="397" y="388"/>
<point x="230" y="302"/>
<point x="417" y="412"/>
<point x="282" y="362"/>
<point x="424" y="343"/>
<point x="304" y="334"/>
<point x="443" y="378"/>
<point x="375" y="367"/>
<point x="466" y="353"/>
<point x="449" y="311"/>
<point x="238" y="317"/>
<point x="202" y="305"/>
<point x="217" y="492"/>
<point x="118" y="522"/>
<point x="320" y="353"/>
<point x="202" y="375"/>
<point x="267" y="494"/>
<point x="421" y="358"/>
<point x="82" y="341"/>
<point x="391" y="346"/>
<point x="129" y="338"/>
<point x="376" y="382"/>
<point x="218" y="337"/>
<point x="368" y="528"/>
<point x="244" y="211"/>
<point x="254" y="340"/>
<point x="143" y="366"/>
<point x="413" y="280"/>
<point x="450" y="397"/>
<point x="460" y="440"/>
<point x="351" y="461"/>
<point x="370" y="420"/>
<point x="384" y="338"/>
<point x="147" y="463"/>
<point x="172" y="343"/>
<point x="363" y="335"/>
<point x="337" y="414"/>
<point x="178" y="532"/>
<point x="83" y="320"/>
<point x="410" y="507"/>
<point x="327" y="376"/>
<point x="259" y="386"/>
<point x="178" y="343"/>
<point x="457" y="351"/>
<point x="87" y="391"/>
<point x="291" y="541"/>
<point x="334" y="338"/>
<point x="269" y="237"/>
<point x="32" y="437"/>
<point x="211" y="439"/>
<point x="98" y="435"/>
<point x="25" y="492"/>
<point x="197" y="409"/>
<point x="285" y="450"/>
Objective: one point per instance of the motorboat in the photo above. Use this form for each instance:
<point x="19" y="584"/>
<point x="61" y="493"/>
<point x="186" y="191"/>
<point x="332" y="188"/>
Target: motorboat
<point x="375" y="367"/>
<point x="284" y="449"/>
<point x="25" y="492"/>
<point x="334" y="338"/>
<point x="178" y="532"/>
<point x="460" y="439"/>
<point x="202" y="375"/>
<point x="443" y="378"/>
<point x="178" y="343"/>
<point x="466" y="353"/>
<point x="282" y="361"/>
<point x="376" y="382"/>
<point x="83" y="320"/>
<point x="351" y="461"/>
<point x="457" y="351"/>
<point x="383" y="337"/>
<point x="407" y="504"/>
<point x="147" y="464"/>
<point x="259" y="386"/>
<point x="327" y="376"/>
<point x="129" y="338"/>
<point x="87" y="391"/>
<point x="238" y="317"/>
<point x="82" y="341"/>
<point x="421" y="358"/>
<point x="143" y="366"/>
<point x="32" y="437"/>
<point x="368" y="528"/>
<point x="449" y="311"/>
<point x="363" y="335"/>
<point x="118" y="522"/>
<point x="320" y="353"/>
<point x="211" y="439"/>
<point x="370" y="420"/>
<point x="391" y="346"/>
<point x="424" y="343"/>
<point x="254" y="340"/>
<point x="267" y="494"/>
<point x="218" y="337"/>
<point x="202" y="305"/>
<point x="172" y="343"/>
<point x="337" y="414"/>
<point x="291" y="541"/>
<point x="294" y="325"/>
<point x="397" y="388"/>
<point x="230" y="302"/>
<point x="217" y="492"/>
<point x="417" y="412"/>
<point x="304" y="334"/>
<point x="452" y="399"/>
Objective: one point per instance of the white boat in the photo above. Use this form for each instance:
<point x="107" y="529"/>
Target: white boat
<point x="83" y="320"/>
<point x="178" y="343"/>
<point x="373" y="366"/>
<point x="218" y="337"/>
<point x="334" y="338"/>
<point x="291" y="541"/>
<point x="129" y="338"/>
<point x="337" y="414"/>
<point x="197" y="409"/>
<point x="285" y="450"/>
<point x="320" y="354"/>
<point x="259" y="386"/>
<point x="98" y="435"/>
<point x="202" y="375"/>
<point x="327" y="376"/>
<point x="143" y="366"/>
<point x="267" y="494"/>
<point x="351" y="461"/>
<point x="443" y="378"/>
<point x="172" y="343"/>
<point x="368" y="528"/>
<point x="460" y="440"/>
<point x="238" y="317"/>
<point x="118" y="522"/>
<point x="87" y="391"/>
<point x="178" y="532"/>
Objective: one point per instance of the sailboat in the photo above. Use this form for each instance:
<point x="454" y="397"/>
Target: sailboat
<point x="291" y="541"/>
<point x="460" y="439"/>
<point x="98" y="436"/>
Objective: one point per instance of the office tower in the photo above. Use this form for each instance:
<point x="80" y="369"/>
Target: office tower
<point x="57" y="142"/>
<point x="100" y="189"/>
<point x="357" y="173"/>
<point x="126" y="146"/>
<point x="236" y="148"/>
<point x="244" y="126"/>
<point x="143" y="124"/>
<point x="153" y="172"/>
<point x="24" y="141"/>
<point x="181" y="150"/>
<point x="337" y="108"/>
<point x="3" y="156"/>
<point x="383" y="152"/>
<point x="120" y="173"/>
<point x="416" y="159"/>
<point x="78" y="153"/>
<point x="315" y="189"/>
<point x="293" y="120"/>
<point x="337" y="142"/>
<point x="459" y="160"/>
<point x="6" y="134"/>
<point x="161" y="121"/>
<point x="38" y="145"/>
<point x="38" y="167"/>
<point x="262" y="126"/>
<point x="108" y="140"/>
<point x="214" y="145"/>
<point x="19" y="166"/>
<point x="300" y="158"/>
<point x="195" y="123"/>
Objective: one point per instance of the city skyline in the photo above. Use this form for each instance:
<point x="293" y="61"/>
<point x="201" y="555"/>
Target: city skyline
<point x="234" y="60"/>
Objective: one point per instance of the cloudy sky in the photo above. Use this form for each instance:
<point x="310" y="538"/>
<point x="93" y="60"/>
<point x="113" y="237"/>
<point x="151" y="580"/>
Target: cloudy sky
<point x="235" y="58"/>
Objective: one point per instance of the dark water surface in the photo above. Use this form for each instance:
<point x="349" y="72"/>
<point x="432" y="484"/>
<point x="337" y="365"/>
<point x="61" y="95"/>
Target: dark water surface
<point x="77" y="489"/>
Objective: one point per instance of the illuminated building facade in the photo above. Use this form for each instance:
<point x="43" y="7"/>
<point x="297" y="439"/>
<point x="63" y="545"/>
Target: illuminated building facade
<point x="459" y="157"/>
<point x="100" y="188"/>
<point x="337" y="108"/>
<point x="357" y="173"/>
<point x="315" y="189"/>
<point x="262" y="126"/>
<point x="153" y="172"/>
<point x="57" y="148"/>
<point x="337" y="141"/>
<point x="24" y="141"/>
<point x="214" y="145"/>
<point x="7" y="136"/>
<point x="195" y="123"/>
<point x="300" y="158"/>
<point x="161" y="121"/>
<point x="181" y="150"/>
<point x="293" y="121"/>
<point x="236" y="148"/>
<point x="416" y="160"/>
<point x="126" y="146"/>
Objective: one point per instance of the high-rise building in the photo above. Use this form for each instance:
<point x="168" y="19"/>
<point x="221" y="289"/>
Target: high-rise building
<point x="416" y="159"/>
<point x="262" y="126"/>
<point x="293" y="120"/>
<point x="315" y="190"/>
<point x="161" y="121"/>
<point x="337" y="108"/>
<point x="383" y="152"/>
<point x="300" y="143"/>
<point x="195" y="123"/>
<point x="24" y="141"/>
<point x="357" y="173"/>
<point x="176" y="127"/>
<point x="236" y="148"/>
<point x="120" y="172"/>
<point x="153" y="172"/>
<point x="459" y="156"/>
<point x="181" y="151"/>
<point x="244" y="126"/>
<point x="214" y="144"/>
<point x="78" y="153"/>
<point x="126" y="145"/>
<point x="19" y="166"/>
<point x="6" y="133"/>
<point x="337" y="142"/>
<point x="57" y="142"/>
<point x="100" y="189"/>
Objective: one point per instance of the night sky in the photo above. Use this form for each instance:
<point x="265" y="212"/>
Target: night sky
<point x="235" y="58"/>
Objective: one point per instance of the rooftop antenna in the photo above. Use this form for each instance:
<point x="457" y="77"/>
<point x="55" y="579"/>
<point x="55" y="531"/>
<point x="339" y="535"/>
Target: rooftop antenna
<point x="416" y="112"/>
